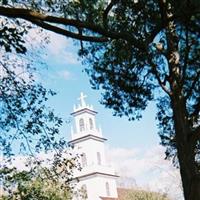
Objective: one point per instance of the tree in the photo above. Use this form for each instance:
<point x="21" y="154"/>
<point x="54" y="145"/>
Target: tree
<point x="136" y="51"/>
<point x="26" y="118"/>
<point x="46" y="179"/>
<point x="26" y="186"/>
<point x="23" y="110"/>
<point x="131" y="194"/>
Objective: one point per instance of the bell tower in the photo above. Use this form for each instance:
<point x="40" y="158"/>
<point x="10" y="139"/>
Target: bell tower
<point x="96" y="177"/>
<point x="85" y="122"/>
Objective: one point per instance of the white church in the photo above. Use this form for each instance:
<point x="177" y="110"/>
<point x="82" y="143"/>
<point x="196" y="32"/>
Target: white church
<point x="96" y="178"/>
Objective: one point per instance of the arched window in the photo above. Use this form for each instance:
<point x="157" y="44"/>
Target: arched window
<point x="91" y="124"/>
<point x="84" y="160"/>
<point x="81" y="125"/>
<point x="98" y="158"/>
<point x="107" y="189"/>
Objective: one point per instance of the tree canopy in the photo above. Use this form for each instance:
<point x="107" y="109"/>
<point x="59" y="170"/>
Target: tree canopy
<point x="46" y="177"/>
<point x="26" y="185"/>
<point x="136" y="51"/>
<point x="136" y="194"/>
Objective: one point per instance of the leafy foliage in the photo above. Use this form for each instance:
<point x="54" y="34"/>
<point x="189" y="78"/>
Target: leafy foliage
<point x="28" y="185"/>
<point x="27" y="125"/>
<point x="24" y="115"/>
<point x="12" y="34"/>
<point x="132" y="74"/>
<point x="117" y="73"/>
<point x="142" y="195"/>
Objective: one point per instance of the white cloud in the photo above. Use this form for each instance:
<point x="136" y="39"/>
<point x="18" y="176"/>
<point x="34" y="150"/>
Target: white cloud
<point x="48" y="45"/>
<point x="149" y="169"/>
<point x="66" y="75"/>
<point x="62" y="74"/>
<point x="121" y="152"/>
<point x="25" y="162"/>
<point x="61" y="49"/>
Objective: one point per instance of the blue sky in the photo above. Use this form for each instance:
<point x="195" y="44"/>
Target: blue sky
<point x="132" y="147"/>
<point x="65" y="75"/>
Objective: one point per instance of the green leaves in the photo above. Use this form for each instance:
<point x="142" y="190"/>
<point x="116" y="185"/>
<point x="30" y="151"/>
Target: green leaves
<point x="24" y="115"/>
<point x="33" y="185"/>
<point x="12" y="36"/>
<point x="126" y="81"/>
<point x="142" y="195"/>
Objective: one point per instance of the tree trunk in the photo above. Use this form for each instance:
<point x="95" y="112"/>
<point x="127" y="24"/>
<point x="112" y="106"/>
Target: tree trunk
<point x="183" y="132"/>
<point x="185" y="150"/>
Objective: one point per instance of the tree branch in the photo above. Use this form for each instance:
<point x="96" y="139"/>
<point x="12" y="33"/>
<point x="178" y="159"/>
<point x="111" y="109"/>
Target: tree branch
<point x="64" y="32"/>
<point x="156" y="74"/>
<point x="186" y="56"/>
<point x="107" y="10"/>
<point x="163" y="11"/>
<point x="42" y="21"/>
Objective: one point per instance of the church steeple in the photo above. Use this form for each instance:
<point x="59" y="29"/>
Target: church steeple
<point x="96" y="177"/>
<point x="85" y="121"/>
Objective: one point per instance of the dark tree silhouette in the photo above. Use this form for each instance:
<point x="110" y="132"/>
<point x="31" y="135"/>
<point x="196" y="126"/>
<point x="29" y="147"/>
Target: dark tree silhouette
<point x="136" y="51"/>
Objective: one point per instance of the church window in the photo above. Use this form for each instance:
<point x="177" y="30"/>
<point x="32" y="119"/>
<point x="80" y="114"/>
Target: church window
<point x="107" y="189"/>
<point x="81" y="124"/>
<point x="98" y="158"/>
<point x="84" y="160"/>
<point x="91" y="124"/>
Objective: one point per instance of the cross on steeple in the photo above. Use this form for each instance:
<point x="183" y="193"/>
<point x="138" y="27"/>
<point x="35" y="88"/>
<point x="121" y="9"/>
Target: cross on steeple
<point x="82" y="99"/>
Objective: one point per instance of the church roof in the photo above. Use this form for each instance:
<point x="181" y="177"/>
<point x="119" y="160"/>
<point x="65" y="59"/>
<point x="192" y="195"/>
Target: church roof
<point x="97" y="173"/>
<point x="121" y="193"/>
<point x="86" y="137"/>
<point x="83" y="110"/>
<point x="108" y="198"/>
